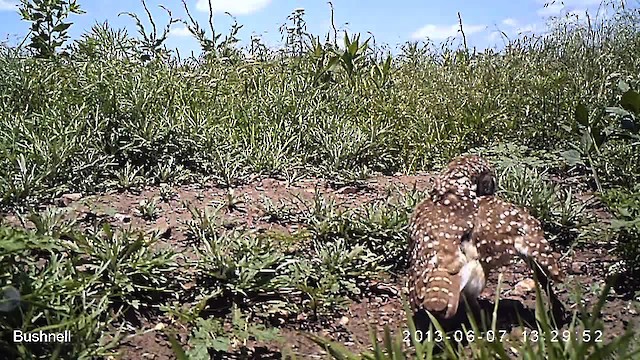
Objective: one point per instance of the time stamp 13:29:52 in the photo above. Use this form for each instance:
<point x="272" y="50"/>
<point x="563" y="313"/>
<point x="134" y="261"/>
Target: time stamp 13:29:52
<point x="501" y="335"/>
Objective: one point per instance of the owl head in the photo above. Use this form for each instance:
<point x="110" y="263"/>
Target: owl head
<point x="470" y="176"/>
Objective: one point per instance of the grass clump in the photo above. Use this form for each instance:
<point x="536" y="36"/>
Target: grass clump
<point x="51" y="295"/>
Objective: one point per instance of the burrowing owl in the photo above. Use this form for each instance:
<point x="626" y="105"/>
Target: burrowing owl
<point x="459" y="234"/>
<point x="437" y="229"/>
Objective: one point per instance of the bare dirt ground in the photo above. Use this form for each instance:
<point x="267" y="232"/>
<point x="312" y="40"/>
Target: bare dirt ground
<point x="381" y="305"/>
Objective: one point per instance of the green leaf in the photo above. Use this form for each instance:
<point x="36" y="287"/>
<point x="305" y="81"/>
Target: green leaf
<point x="572" y="157"/>
<point x="586" y="141"/>
<point x="582" y="115"/>
<point x="347" y="41"/>
<point x="61" y="27"/>
<point x="631" y="101"/>
<point x="616" y="111"/>
<point x="598" y="136"/>
<point x="332" y="63"/>
<point x="337" y="350"/>
<point x="178" y="350"/>
<point x="364" y="46"/>
<point x="199" y="352"/>
<point x="220" y="343"/>
<point x="623" y="86"/>
<point x="353" y="48"/>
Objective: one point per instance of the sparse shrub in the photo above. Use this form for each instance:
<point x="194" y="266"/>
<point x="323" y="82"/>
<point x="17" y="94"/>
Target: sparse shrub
<point x="150" y="45"/>
<point x="126" y="265"/>
<point x="240" y="264"/>
<point x="103" y="43"/>
<point x="209" y="336"/>
<point x="188" y="121"/>
<point x="53" y="222"/>
<point x="167" y="192"/>
<point x="529" y="188"/>
<point x="625" y="206"/>
<point x="148" y="209"/>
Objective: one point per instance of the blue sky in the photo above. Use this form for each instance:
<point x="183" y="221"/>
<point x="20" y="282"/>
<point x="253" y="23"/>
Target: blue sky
<point x="392" y="22"/>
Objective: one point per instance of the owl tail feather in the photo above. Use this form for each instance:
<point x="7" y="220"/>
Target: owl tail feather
<point x="442" y="293"/>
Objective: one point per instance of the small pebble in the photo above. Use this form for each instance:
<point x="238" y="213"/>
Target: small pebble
<point x="578" y="267"/>
<point x="524" y="286"/>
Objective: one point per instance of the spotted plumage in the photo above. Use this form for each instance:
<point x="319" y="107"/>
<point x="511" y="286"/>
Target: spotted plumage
<point x="461" y="232"/>
<point x="437" y="229"/>
<point x="503" y="230"/>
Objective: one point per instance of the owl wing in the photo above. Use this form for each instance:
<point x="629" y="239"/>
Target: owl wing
<point x="503" y="230"/>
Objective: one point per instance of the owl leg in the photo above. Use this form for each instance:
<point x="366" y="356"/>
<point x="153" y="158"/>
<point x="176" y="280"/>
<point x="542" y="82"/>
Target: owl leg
<point x="473" y="303"/>
<point x="476" y="311"/>
<point x="472" y="283"/>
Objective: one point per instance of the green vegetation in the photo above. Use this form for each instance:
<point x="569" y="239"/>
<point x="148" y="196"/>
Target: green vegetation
<point x="558" y="114"/>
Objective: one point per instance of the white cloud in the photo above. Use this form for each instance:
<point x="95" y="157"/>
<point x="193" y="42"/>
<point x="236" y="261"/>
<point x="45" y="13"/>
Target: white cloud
<point x="515" y="30"/>
<point x="577" y="12"/>
<point x="571" y="3"/>
<point x="494" y="36"/>
<point x="510" y="22"/>
<point x="580" y="14"/>
<point x="556" y="7"/>
<point x="234" y="7"/>
<point x="6" y="5"/>
<point x="442" y="32"/>
<point x="530" y="29"/>
<point x="550" y="10"/>
<point x="181" y="31"/>
<point x="582" y="2"/>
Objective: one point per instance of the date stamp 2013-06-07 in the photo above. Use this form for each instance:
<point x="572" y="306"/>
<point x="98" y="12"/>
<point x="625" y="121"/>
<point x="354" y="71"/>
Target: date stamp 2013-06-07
<point x="457" y="336"/>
